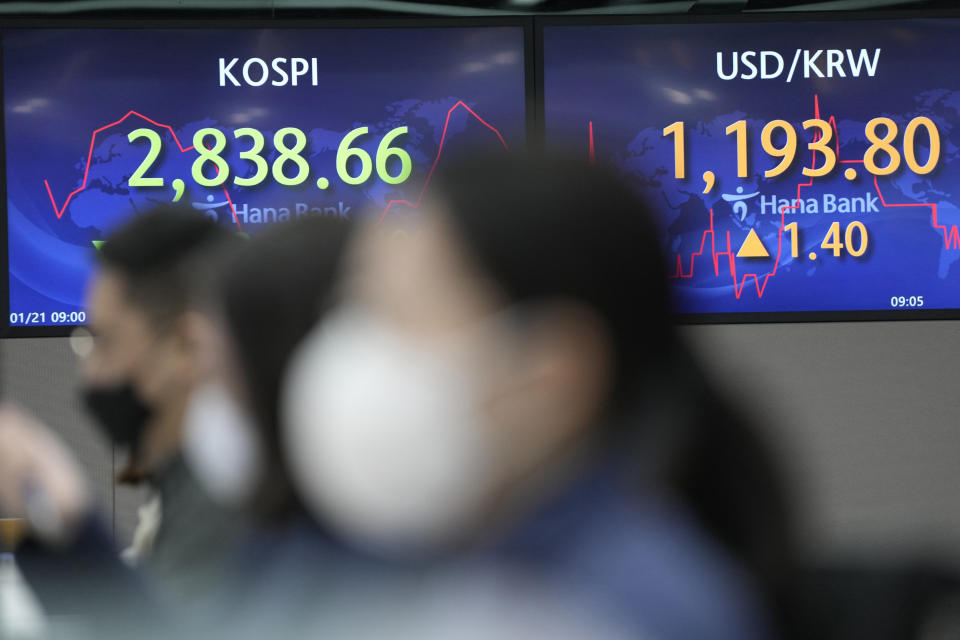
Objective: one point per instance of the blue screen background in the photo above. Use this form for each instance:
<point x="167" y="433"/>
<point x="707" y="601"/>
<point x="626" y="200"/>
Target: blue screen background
<point x="62" y="85"/>
<point x="631" y="81"/>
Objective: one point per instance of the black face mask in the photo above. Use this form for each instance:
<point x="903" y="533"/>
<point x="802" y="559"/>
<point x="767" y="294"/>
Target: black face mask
<point x="120" y="412"/>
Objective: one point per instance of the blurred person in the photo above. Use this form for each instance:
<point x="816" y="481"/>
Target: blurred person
<point x="137" y="380"/>
<point x="73" y="573"/>
<point x="140" y="374"/>
<point x="292" y="577"/>
<point x="268" y="298"/>
<point x="505" y="387"/>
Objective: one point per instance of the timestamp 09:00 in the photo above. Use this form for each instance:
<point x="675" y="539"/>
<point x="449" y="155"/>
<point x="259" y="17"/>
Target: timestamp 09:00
<point x="40" y="317"/>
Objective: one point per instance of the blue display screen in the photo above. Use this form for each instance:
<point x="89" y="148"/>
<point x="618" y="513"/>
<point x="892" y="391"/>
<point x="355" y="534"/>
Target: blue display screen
<point x="102" y="124"/>
<point x="793" y="166"/>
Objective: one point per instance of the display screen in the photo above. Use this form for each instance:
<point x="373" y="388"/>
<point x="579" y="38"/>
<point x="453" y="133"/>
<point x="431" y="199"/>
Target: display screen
<point x="801" y="167"/>
<point x="250" y="126"/>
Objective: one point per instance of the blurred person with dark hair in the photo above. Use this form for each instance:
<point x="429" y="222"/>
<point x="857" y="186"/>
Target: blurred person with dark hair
<point x="140" y="375"/>
<point x="268" y="298"/>
<point x="292" y="576"/>
<point x="505" y="387"/>
<point x="137" y="381"/>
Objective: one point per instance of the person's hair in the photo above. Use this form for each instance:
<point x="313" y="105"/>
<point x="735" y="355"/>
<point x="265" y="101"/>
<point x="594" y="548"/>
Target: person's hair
<point x="165" y="256"/>
<point x="554" y="228"/>
<point x="273" y="293"/>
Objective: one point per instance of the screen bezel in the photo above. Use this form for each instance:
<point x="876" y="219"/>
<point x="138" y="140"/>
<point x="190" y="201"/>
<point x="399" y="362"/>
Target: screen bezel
<point x="752" y="317"/>
<point x="531" y="106"/>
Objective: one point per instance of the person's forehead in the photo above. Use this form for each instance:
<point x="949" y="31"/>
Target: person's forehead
<point x="104" y="292"/>
<point x="386" y="259"/>
<point x="431" y="244"/>
<point x="422" y="276"/>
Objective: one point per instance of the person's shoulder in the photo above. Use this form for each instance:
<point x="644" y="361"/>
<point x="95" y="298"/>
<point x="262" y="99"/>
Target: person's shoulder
<point x="648" y="557"/>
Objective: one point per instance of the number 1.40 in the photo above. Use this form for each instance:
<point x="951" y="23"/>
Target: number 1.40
<point x="854" y="239"/>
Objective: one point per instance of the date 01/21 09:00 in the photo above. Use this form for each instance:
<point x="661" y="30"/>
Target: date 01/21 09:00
<point x="80" y="317"/>
<point x="40" y="317"/>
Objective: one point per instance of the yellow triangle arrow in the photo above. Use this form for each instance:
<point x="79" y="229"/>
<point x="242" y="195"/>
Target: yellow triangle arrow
<point x="752" y="247"/>
<point x="98" y="243"/>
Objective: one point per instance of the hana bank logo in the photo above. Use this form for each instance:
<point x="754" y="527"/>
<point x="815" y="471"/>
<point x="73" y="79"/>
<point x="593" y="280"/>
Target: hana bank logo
<point x="209" y="207"/>
<point x="740" y="201"/>
<point x="822" y="203"/>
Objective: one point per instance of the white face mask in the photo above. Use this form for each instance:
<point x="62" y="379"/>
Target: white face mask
<point x="383" y="437"/>
<point x="221" y="445"/>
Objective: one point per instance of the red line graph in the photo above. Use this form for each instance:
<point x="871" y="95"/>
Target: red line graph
<point x="433" y="167"/>
<point x="951" y="236"/>
<point x="593" y="150"/>
<point x="59" y="211"/>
